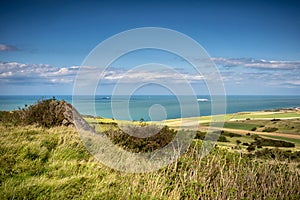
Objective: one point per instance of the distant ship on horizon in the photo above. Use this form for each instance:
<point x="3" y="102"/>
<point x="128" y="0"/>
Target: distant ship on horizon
<point x="202" y="100"/>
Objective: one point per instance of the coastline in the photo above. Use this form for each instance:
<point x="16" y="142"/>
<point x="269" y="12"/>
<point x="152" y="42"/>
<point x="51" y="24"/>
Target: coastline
<point x="140" y="104"/>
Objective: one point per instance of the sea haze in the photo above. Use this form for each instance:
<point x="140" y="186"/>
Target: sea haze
<point x="169" y="106"/>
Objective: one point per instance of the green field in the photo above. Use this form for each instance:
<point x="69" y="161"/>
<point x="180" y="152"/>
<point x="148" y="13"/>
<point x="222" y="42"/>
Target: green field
<point x="245" y="115"/>
<point x="243" y="126"/>
<point x="256" y="115"/>
<point x="236" y="125"/>
<point x="283" y="122"/>
<point x="260" y="124"/>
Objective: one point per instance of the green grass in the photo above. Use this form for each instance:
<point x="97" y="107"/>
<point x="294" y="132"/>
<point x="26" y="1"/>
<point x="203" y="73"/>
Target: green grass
<point x="242" y="126"/>
<point x="52" y="163"/>
<point x="237" y="125"/>
<point x="267" y="115"/>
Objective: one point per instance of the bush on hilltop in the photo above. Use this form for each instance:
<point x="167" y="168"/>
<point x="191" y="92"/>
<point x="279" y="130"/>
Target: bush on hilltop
<point x="46" y="113"/>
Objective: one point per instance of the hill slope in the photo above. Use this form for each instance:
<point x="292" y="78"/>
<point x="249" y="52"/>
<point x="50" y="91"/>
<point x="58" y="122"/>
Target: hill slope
<point x="41" y="162"/>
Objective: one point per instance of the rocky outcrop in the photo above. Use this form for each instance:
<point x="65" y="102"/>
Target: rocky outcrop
<point x="73" y="118"/>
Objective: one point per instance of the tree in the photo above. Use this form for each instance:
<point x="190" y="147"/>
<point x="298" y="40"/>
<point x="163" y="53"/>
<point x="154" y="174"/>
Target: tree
<point x="142" y="122"/>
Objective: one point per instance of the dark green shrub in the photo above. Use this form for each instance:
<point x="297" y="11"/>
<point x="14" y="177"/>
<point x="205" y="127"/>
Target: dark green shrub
<point x="11" y="118"/>
<point x="270" y="129"/>
<point x="46" y="113"/>
<point x="222" y="139"/>
<point x="230" y="134"/>
<point x="278" y="154"/>
<point x="274" y="120"/>
<point x="137" y="144"/>
<point x="213" y="136"/>
<point x="251" y="147"/>
<point x="259" y="141"/>
<point x="200" y="135"/>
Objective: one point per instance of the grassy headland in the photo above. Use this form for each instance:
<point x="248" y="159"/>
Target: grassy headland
<point x="50" y="162"/>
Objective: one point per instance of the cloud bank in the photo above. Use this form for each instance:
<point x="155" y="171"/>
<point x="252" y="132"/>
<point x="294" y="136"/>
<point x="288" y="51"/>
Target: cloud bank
<point x="241" y="73"/>
<point x="259" y="64"/>
<point x="280" y="74"/>
<point x="20" y="73"/>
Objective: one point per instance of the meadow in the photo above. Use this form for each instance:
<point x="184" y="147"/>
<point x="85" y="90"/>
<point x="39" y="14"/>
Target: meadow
<point x="52" y="163"/>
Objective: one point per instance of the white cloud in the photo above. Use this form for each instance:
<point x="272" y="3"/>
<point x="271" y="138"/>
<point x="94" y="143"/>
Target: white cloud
<point x="151" y="76"/>
<point x="258" y="64"/>
<point x="14" y="72"/>
<point x="23" y="74"/>
<point x="248" y="72"/>
<point x="293" y="82"/>
<point x="5" y="47"/>
<point x="236" y="73"/>
<point x="20" y="73"/>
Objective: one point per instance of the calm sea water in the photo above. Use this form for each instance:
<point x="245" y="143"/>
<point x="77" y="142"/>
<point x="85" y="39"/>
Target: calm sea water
<point x="139" y="106"/>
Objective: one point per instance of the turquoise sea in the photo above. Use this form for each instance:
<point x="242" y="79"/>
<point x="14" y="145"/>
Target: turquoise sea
<point x="139" y="105"/>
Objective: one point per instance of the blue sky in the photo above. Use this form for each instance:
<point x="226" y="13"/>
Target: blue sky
<point x="255" y="44"/>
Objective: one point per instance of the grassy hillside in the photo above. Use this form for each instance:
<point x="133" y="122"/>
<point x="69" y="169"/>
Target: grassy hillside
<point x="52" y="163"/>
<point x="41" y="159"/>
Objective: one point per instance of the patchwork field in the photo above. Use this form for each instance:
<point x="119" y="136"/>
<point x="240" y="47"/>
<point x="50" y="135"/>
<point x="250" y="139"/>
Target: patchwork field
<point x="280" y="125"/>
<point x="283" y="125"/>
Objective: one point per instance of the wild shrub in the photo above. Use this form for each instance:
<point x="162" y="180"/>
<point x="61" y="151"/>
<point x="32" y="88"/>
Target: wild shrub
<point x="230" y="134"/>
<point x="259" y="141"/>
<point x="278" y="154"/>
<point x="222" y="138"/>
<point x="46" y="113"/>
<point x="269" y="129"/>
<point x="250" y="148"/>
<point x="200" y="135"/>
<point x="238" y="142"/>
<point x="213" y="136"/>
<point x="137" y="144"/>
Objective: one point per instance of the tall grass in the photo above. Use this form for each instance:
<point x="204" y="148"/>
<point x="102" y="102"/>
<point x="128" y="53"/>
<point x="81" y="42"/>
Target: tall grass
<point x="52" y="163"/>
